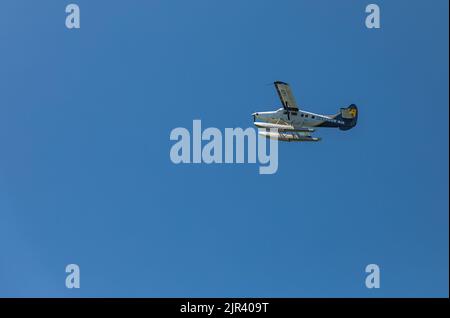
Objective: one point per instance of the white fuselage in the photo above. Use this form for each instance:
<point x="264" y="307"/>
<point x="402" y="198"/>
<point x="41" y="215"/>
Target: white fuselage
<point x="297" y="119"/>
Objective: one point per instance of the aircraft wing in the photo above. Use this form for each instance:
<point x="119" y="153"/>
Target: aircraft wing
<point x="286" y="96"/>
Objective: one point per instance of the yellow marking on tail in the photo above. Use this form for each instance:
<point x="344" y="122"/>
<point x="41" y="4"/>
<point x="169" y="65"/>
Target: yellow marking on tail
<point x="352" y="112"/>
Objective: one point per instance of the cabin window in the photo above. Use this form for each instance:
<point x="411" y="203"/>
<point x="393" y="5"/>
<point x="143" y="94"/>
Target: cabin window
<point x="306" y="116"/>
<point x="295" y="114"/>
<point x="313" y="117"/>
<point x="301" y="115"/>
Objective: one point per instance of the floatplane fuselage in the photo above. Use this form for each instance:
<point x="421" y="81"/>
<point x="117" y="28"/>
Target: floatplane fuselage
<point x="292" y="124"/>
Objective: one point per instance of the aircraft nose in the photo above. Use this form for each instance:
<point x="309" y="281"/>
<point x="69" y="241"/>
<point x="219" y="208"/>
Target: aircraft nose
<point x="255" y="115"/>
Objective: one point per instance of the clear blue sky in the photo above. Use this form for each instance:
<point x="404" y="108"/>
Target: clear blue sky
<point x="86" y="178"/>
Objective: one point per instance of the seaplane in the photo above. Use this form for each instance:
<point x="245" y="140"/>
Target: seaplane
<point x="289" y="123"/>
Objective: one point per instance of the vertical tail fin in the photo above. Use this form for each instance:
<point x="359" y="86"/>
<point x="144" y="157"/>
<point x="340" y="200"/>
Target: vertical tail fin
<point x="350" y="117"/>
